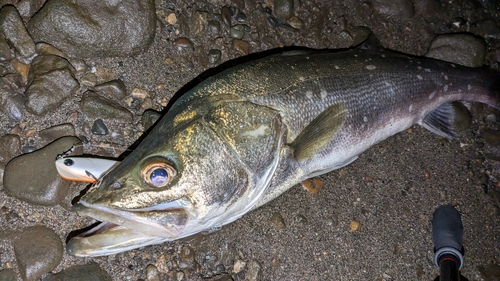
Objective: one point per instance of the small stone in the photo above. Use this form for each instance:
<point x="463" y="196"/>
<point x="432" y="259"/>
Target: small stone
<point x="57" y="131"/>
<point x="237" y="31"/>
<point x="149" y="117"/>
<point x="85" y="272"/>
<point x="12" y="27"/>
<point x="8" y="275"/>
<point x="183" y="43"/>
<point x="200" y="20"/>
<point x="161" y="264"/>
<point x="11" y="99"/>
<point x="295" y="22"/>
<point x="464" y="49"/>
<point x="359" y="34"/>
<point x="355" y="225"/>
<point x="139" y="93"/>
<point x="284" y="9"/>
<point x="38" y="250"/>
<point x="112" y="89"/>
<point x="30" y="132"/>
<point x="397" y="9"/>
<point x="226" y="16"/>
<point x="96" y="107"/>
<point x="169" y="61"/>
<point x="220" y="268"/>
<point x="10" y="146"/>
<point x="99" y="128"/>
<point x="239" y="265"/>
<point x="47" y="188"/>
<point x="241" y="46"/>
<point x="277" y="221"/>
<point x="274" y="22"/>
<point x="152" y="273"/>
<point x="21" y="68"/>
<point x="213" y="26"/>
<point x="5" y="53"/>
<point x="187" y="253"/>
<point x="79" y="65"/>
<point x="214" y="56"/>
<point x="254" y="271"/>
<point x="147" y="103"/>
<point x="47" y="49"/>
<point x="171" y="19"/>
<point x="240" y="17"/>
<point x="51" y="82"/>
<point x="312" y="185"/>
<point x="88" y="79"/>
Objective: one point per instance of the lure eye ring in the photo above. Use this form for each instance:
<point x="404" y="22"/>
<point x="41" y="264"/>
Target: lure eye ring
<point x="158" y="174"/>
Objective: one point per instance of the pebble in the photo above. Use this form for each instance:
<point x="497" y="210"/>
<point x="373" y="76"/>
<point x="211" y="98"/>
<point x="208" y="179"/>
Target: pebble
<point x="283" y="9"/>
<point x="490" y="272"/>
<point x="277" y="221"/>
<point x="57" y="131"/>
<point x="295" y="22"/>
<point x="96" y="107"/>
<point x="5" y="53"/>
<point x="239" y="265"/>
<point x="84" y="272"/>
<point x="240" y="17"/>
<point x="161" y="264"/>
<point x="171" y="19"/>
<point x="47" y="188"/>
<point x="254" y="271"/>
<point x="139" y="93"/>
<point x="183" y="43"/>
<point x="396" y="9"/>
<point x="312" y="185"/>
<point x="149" y="117"/>
<point x="21" y="68"/>
<point x="226" y="15"/>
<point x="8" y="275"/>
<point x="99" y="128"/>
<point x="490" y="30"/>
<point x="464" y="49"/>
<point x="354" y="226"/>
<point x="11" y="99"/>
<point x="79" y="65"/>
<point x="38" y="250"/>
<point x="27" y="8"/>
<point x="359" y="34"/>
<point x="47" y="49"/>
<point x="112" y="89"/>
<point x="152" y="273"/>
<point x="96" y="29"/>
<point x="241" y="46"/>
<point x="88" y="79"/>
<point x="199" y="21"/>
<point x="187" y="253"/>
<point x="237" y="31"/>
<point x="51" y="82"/>
<point x="10" y="146"/>
<point x="214" y="56"/>
<point x="213" y="26"/>
<point x="12" y="26"/>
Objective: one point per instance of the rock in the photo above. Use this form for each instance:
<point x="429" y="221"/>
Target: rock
<point x="51" y="82"/>
<point x="112" y="89"/>
<point x="213" y="26"/>
<point x="21" y="68"/>
<point x="5" y="53"/>
<point x="27" y="8"/>
<point x="38" y="250"/>
<point x="95" y="29"/>
<point x="295" y="22"/>
<point x="11" y="100"/>
<point x="254" y="271"/>
<point x="8" y="275"/>
<point x="57" y="131"/>
<point x="171" y="19"/>
<point x="152" y="273"/>
<point x="464" y="49"/>
<point x="138" y="93"/>
<point x="47" y="188"/>
<point x="96" y="107"/>
<point x="283" y="9"/>
<point x="490" y="272"/>
<point x="225" y="13"/>
<point x="239" y="265"/>
<point x="99" y="128"/>
<point x="149" y="117"/>
<point x="214" y="56"/>
<point x="199" y="21"/>
<point x="241" y="46"/>
<point x="490" y="30"/>
<point x="237" y="31"/>
<point x="10" y="146"/>
<point x="47" y="49"/>
<point x="277" y="221"/>
<point x="88" y="79"/>
<point x="12" y="27"/>
<point x="183" y="43"/>
<point x="240" y="17"/>
<point x="398" y="9"/>
<point x="354" y="226"/>
<point x="86" y="272"/>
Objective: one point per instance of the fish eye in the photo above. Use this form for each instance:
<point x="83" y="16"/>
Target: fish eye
<point x="158" y="174"/>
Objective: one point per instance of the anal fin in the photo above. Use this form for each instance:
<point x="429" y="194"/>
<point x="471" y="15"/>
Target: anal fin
<point x="319" y="132"/>
<point x="446" y="119"/>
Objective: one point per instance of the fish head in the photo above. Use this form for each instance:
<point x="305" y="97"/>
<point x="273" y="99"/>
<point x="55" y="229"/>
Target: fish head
<point x="189" y="175"/>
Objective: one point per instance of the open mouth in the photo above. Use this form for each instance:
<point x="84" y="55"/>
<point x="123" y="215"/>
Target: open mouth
<point x="123" y="230"/>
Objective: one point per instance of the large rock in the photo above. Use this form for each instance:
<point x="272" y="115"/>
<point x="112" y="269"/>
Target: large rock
<point x="11" y="99"/>
<point x="95" y="28"/>
<point x="12" y="27"/>
<point x="51" y="82"/>
<point x="464" y="49"/>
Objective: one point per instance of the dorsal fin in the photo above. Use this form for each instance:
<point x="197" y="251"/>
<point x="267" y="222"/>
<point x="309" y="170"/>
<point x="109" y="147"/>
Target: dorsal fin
<point x="319" y="132"/>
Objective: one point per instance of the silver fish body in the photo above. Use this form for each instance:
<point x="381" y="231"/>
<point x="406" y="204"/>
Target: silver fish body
<point x="242" y="137"/>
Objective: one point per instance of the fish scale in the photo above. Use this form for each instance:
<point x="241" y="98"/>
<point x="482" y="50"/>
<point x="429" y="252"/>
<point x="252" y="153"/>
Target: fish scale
<point x="244" y="136"/>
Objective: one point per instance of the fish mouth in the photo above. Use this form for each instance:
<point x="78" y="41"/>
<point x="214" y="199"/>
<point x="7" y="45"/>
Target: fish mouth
<point x="126" y="229"/>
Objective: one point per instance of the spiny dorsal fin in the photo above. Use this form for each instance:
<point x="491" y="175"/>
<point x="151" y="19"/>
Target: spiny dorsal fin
<point x="441" y="121"/>
<point x="319" y="132"/>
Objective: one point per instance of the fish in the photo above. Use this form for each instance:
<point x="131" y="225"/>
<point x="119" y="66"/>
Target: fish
<point x="242" y="137"/>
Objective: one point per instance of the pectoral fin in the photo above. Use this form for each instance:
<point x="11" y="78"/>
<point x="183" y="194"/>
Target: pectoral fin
<point x="319" y="132"/>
